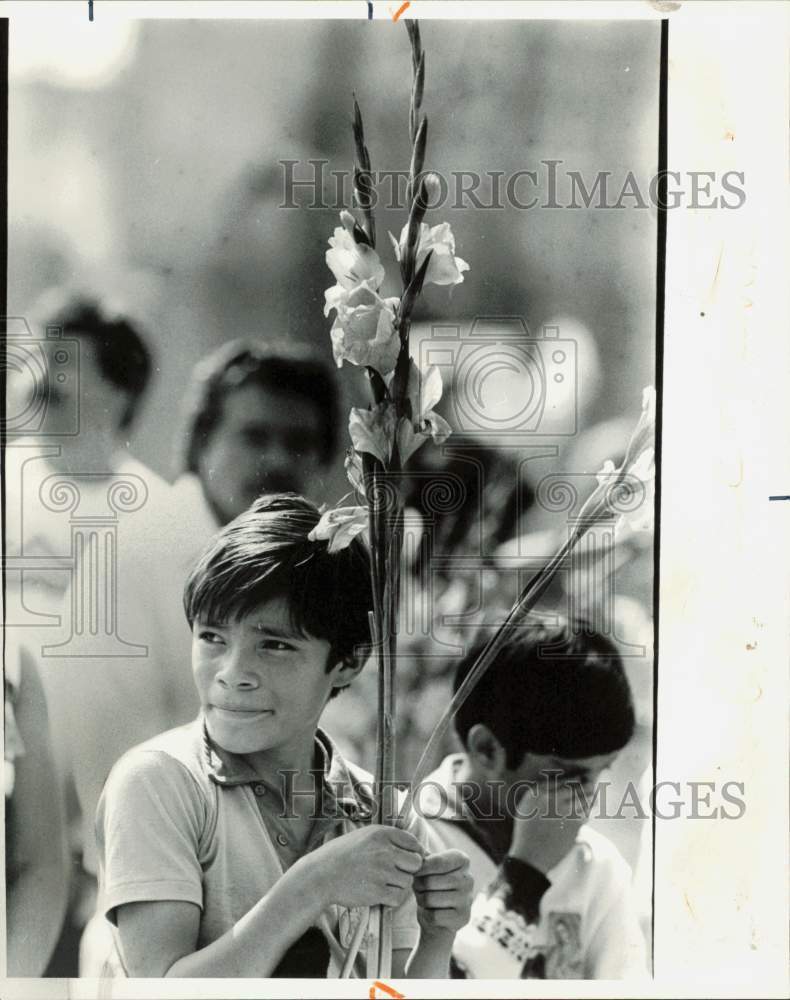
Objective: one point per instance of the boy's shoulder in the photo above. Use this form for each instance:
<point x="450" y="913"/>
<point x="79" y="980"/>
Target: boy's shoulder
<point x="595" y="855"/>
<point x="175" y="754"/>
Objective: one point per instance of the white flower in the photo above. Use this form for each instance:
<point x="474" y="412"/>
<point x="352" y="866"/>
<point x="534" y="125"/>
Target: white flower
<point x="444" y="268"/>
<point x="424" y="391"/>
<point x="645" y="431"/>
<point x="373" y="431"/>
<point x="642" y="518"/>
<point x="614" y="485"/>
<point x="354" y="471"/>
<point x="364" y="331"/>
<point x="339" y="526"/>
<point x="604" y="477"/>
<point x="352" y="262"/>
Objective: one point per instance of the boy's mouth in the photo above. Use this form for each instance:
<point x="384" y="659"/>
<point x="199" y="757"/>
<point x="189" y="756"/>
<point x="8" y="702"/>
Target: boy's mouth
<point x="240" y="714"/>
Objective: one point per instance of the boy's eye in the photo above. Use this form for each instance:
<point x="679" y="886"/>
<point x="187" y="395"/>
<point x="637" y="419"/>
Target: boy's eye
<point x="206" y="635"/>
<point x="276" y="646"/>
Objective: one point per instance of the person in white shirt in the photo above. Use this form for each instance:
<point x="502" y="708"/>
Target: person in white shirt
<point x="553" y="897"/>
<point x="91" y="589"/>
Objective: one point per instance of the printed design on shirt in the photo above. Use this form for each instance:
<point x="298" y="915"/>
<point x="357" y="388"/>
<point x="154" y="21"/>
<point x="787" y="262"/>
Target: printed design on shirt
<point x="493" y="923"/>
<point x="498" y="942"/>
<point x="564" y="951"/>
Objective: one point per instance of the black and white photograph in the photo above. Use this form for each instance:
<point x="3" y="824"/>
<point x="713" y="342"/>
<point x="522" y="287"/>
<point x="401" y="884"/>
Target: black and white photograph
<point x="337" y="350"/>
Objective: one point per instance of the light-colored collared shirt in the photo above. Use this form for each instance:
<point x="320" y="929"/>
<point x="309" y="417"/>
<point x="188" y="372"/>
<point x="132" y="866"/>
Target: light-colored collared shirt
<point x="181" y="820"/>
<point x="95" y="595"/>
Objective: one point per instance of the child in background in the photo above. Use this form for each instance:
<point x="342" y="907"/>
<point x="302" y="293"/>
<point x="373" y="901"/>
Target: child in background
<point x="241" y="844"/>
<point x="554" y="897"/>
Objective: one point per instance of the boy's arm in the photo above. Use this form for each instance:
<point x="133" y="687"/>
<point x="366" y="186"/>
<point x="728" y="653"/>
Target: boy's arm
<point x="158" y="938"/>
<point x="370" y="865"/>
<point x="150" y="826"/>
<point x="443" y="888"/>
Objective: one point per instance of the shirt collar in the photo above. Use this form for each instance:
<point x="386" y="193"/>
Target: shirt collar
<point x="439" y="796"/>
<point x="339" y="786"/>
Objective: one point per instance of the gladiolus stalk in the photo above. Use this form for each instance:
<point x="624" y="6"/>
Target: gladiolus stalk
<point x="598" y="507"/>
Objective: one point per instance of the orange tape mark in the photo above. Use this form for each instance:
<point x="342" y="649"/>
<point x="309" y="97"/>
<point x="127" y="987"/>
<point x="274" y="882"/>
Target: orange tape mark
<point x="395" y="17"/>
<point x="385" y="990"/>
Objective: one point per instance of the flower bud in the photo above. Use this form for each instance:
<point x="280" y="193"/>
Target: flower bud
<point x="348" y="221"/>
<point x="433" y="190"/>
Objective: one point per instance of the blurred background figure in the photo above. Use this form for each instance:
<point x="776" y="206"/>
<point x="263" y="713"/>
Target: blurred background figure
<point x="36" y="858"/>
<point x="92" y="592"/>
<point x="261" y="418"/>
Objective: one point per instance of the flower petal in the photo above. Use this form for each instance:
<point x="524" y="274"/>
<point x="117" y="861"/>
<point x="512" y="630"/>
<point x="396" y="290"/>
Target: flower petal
<point x="444" y="267"/>
<point x="409" y="440"/>
<point x="440" y="430"/>
<point x="352" y="262"/>
<point x="354" y="473"/>
<point x="645" y="431"/>
<point x="364" y="331"/>
<point x="606" y="473"/>
<point x="430" y="389"/>
<point x="373" y="431"/>
<point x="339" y="526"/>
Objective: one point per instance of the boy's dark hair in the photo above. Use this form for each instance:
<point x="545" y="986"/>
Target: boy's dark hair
<point x="278" y="367"/>
<point x="265" y="553"/>
<point x="556" y="690"/>
<point x="121" y="354"/>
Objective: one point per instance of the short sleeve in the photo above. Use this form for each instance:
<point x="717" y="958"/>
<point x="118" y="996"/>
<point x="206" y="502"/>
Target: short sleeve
<point x="148" y="833"/>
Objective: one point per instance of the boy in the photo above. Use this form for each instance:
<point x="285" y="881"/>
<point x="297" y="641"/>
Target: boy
<point x="240" y="845"/>
<point x="553" y="896"/>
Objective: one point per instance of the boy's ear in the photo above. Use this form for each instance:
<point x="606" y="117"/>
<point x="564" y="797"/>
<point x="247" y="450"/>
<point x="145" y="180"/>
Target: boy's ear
<point x="486" y="751"/>
<point x="345" y="670"/>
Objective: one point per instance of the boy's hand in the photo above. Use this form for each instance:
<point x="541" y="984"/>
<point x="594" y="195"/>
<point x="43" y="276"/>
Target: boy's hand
<point x="546" y="823"/>
<point x="443" y="888"/>
<point x="366" y="867"/>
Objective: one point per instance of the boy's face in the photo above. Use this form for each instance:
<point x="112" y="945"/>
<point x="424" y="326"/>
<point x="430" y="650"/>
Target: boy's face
<point x="262" y="687"/>
<point x="585" y="771"/>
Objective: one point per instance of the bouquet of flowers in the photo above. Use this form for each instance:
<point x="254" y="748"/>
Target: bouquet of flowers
<point x="373" y="332"/>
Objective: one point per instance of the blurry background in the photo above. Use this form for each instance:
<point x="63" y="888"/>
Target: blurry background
<point x="144" y="160"/>
<point x="144" y="163"/>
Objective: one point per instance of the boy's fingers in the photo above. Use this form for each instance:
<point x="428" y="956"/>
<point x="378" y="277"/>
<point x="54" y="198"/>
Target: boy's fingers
<point x="446" y="900"/>
<point x="399" y="879"/>
<point x="444" y="862"/>
<point x="408" y="861"/>
<point x="405" y="840"/>
<point x="434" y="883"/>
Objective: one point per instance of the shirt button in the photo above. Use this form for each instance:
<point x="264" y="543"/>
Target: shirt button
<point x="259" y="789"/>
<point x="282" y="840"/>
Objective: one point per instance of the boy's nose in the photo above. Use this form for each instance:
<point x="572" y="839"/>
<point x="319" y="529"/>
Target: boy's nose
<point x="233" y="673"/>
